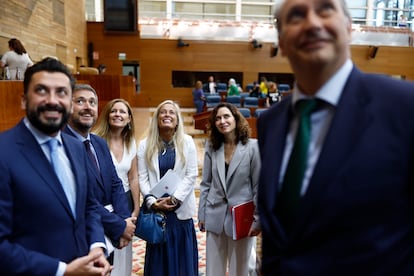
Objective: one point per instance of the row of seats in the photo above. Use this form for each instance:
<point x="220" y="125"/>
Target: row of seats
<point x="282" y="87"/>
<point x="246" y="112"/>
<point x="213" y="100"/>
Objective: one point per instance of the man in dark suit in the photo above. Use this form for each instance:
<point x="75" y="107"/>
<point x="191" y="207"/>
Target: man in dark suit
<point x="49" y="225"/>
<point x="210" y="86"/>
<point x="353" y="210"/>
<point x="115" y="213"/>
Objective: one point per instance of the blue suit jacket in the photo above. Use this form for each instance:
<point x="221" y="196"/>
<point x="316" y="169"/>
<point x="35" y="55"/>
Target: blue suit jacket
<point x="37" y="228"/>
<point x="108" y="189"/>
<point x="357" y="216"/>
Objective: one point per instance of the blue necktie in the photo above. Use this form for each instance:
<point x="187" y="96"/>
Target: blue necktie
<point x="289" y="196"/>
<point x="61" y="173"/>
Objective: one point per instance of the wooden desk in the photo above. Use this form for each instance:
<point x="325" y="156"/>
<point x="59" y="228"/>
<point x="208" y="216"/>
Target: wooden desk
<point x="11" y="111"/>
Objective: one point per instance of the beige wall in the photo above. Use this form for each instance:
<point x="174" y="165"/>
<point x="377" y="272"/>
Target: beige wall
<point x="45" y="27"/>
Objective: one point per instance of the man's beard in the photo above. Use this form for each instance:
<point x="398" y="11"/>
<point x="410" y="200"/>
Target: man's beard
<point x="83" y="127"/>
<point x="52" y="126"/>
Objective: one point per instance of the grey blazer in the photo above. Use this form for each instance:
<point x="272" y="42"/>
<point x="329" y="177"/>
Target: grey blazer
<point x="218" y="192"/>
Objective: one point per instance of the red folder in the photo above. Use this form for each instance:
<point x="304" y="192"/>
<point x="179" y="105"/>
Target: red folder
<point x="242" y="219"/>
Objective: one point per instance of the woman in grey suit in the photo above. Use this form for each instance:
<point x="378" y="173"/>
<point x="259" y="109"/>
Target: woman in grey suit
<point x="230" y="177"/>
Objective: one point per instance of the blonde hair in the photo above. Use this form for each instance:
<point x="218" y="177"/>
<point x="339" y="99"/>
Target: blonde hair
<point x="154" y="141"/>
<point x="103" y="129"/>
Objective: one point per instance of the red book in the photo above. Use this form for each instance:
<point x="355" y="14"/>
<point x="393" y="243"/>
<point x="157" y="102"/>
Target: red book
<point x="242" y="219"/>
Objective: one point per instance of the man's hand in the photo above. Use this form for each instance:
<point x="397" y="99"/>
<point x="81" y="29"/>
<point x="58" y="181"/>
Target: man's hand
<point x="94" y="263"/>
<point x="130" y="228"/>
<point x="123" y="242"/>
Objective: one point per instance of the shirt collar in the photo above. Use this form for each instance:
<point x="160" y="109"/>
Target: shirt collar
<point x="41" y="137"/>
<point x="78" y="136"/>
<point x="331" y="91"/>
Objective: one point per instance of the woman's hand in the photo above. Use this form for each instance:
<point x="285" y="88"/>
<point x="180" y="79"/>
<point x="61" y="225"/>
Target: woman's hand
<point x="164" y="204"/>
<point x="201" y="226"/>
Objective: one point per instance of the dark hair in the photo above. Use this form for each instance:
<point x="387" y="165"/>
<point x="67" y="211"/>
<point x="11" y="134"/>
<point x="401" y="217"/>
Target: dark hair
<point x="48" y="64"/>
<point x="84" y="86"/>
<point x="17" y="46"/>
<point x="242" y="126"/>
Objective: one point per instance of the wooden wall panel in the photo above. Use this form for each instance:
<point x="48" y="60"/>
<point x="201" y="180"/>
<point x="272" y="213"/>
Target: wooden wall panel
<point x="43" y="28"/>
<point x="11" y="111"/>
<point x="159" y="57"/>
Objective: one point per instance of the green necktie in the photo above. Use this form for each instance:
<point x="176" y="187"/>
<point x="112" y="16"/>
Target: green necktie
<point x="289" y="196"/>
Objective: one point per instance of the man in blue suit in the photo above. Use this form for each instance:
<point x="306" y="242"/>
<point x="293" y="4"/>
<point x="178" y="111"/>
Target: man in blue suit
<point x="353" y="210"/>
<point x="46" y="229"/>
<point x="115" y="213"/>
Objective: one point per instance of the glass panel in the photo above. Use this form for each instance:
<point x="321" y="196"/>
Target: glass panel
<point x="220" y="11"/>
<point x="257" y="13"/>
<point x="188" y="10"/>
<point x="152" y="9"/>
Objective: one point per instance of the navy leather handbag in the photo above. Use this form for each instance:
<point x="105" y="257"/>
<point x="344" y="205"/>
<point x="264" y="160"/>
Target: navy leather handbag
<point x="151" y="225"/>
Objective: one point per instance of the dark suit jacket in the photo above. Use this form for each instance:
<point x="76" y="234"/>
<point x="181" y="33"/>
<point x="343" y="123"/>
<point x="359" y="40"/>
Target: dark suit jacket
<point x="357" y="216"/>
<point x="37" y="228"/>
<point x="108" y="189"/>
<point x="206" y="87"/>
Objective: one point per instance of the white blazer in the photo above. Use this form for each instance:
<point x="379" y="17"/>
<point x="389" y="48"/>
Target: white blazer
<point x="185" y="190"/>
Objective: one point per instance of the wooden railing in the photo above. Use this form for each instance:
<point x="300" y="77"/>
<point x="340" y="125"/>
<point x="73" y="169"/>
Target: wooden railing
<point x="108" y="87"/>
<point x="11" y="111"/>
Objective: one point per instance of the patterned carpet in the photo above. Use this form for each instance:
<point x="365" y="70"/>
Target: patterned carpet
<point x="138" y="249"/>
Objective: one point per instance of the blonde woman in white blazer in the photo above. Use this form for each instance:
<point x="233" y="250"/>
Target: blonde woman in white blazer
<point x="168" y="147"/>
<point x="230" y="177"/>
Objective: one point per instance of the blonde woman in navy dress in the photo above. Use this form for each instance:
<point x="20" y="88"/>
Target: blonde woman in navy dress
<point x="168" y="147"/>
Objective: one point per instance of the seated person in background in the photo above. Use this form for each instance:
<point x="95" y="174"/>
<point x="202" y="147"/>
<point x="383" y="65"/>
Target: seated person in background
<point x="255" y="92"/>
<point x="16" y="59"/>
<point x="210" y="86"/>
<point x="273" y="94"/>
<point x="233" y="89"/>
<point x="263" y="86"/>
<point x="198" y="97"/>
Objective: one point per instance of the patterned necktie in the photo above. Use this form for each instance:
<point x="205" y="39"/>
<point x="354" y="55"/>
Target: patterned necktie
<point x="62" y="174"/>
<point x="92" y="157"/>
<point x="289" y="196"/>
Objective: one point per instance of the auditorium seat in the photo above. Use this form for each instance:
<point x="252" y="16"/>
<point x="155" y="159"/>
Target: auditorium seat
<point x="234" y="100"/>
<point x="245" y="112"/>
<point x="212" y="101"/>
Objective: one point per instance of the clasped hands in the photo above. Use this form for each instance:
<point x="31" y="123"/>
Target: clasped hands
<point x="129" y="232"/>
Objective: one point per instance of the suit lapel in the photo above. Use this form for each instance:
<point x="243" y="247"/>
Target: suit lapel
<point x="32" y="151"/>
<point x="219" y="162"/>
<point x="351" y="119"/>
<point x="97" y="174"/>
<point x="236" y="159"/>
<point x="91" y="167"/>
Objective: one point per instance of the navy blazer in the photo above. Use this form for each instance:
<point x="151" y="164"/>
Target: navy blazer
<point x="108" y="189"/>
<point x="357" y="216"/>
<point x="37" y="227"/>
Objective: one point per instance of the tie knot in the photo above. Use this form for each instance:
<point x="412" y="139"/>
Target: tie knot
<point x="53" y="144"/>
<point x="87" y="144"/>
<point x="306" y="107"/>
